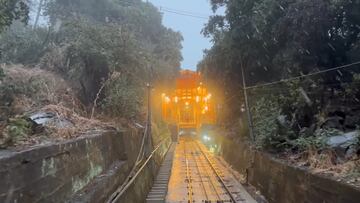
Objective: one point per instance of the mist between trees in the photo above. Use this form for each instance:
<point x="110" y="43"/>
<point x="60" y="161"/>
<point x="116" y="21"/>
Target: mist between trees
<point x="115" y="46"/>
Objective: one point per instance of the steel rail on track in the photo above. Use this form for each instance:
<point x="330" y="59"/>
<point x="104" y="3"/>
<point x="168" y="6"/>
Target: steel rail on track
<point x="201" y="178"/>
<point x="188" y="177"/>
<point x="217" y="174"/>
<point x="211" y="181"/>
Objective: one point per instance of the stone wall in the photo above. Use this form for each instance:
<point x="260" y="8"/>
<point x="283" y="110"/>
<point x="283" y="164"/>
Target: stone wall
<point x="64" y="171"/>
<point x="281" y="183"/>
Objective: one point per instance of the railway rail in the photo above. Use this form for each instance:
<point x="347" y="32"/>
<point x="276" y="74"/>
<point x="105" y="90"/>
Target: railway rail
<point x="205" y="180"/>
<point x="212" y="187"/>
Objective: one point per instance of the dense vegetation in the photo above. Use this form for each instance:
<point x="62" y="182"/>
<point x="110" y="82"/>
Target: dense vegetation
<point x="279" y="39"/>
<point x="11" y="10"/>
<point x="94" y="57"/>
<point x="116" y="44"/>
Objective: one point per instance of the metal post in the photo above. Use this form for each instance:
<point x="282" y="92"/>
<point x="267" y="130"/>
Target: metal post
<point x="251" y="131"/>
<point x="149" y="144"/>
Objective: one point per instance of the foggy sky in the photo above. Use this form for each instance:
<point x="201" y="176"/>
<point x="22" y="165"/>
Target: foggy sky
<point x="190" y="27"/>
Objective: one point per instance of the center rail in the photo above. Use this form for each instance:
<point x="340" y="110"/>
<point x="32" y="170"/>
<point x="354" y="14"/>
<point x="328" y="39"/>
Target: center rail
<point x="213" y="185"/>
<point x="188" y="177"/>
<point x="216" y="172"/>
<point x="198" y="176"/>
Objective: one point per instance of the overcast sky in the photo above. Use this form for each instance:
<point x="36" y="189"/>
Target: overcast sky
<point x="194" y="43"/>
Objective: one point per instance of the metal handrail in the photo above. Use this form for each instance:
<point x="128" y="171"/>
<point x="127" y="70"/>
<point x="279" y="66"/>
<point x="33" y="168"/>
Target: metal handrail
<point x="119" y="194"/>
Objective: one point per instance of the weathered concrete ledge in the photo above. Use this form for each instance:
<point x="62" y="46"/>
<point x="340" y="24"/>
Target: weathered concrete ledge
<point x="102" y="186"/>
<point x="282" y="183"/>
<point x="57" y="172"/>
<point x="142" y="183"/>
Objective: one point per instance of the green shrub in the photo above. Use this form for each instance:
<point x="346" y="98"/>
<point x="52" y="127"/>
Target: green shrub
<point x="123" y="98"/>
<point x="17" y="130"/>
<point x="308" y="143"/>
<point x="266" y="130"/>
<point x="22" y="44"/>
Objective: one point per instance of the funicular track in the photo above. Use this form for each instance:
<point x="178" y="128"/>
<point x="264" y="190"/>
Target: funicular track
<point x="204" y="181"/>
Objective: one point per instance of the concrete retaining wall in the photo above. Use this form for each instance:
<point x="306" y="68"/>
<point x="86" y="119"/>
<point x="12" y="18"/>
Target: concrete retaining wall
<point x="65" y="171"/>
<point x="281" y="183"/>
<point x="102" y="186"/>
<point x="142" y="184"/>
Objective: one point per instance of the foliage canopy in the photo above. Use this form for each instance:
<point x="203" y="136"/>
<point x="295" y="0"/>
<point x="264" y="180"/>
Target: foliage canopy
<point x="278" y="39"/>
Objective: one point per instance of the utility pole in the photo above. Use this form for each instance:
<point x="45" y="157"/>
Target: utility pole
<point x="148" y="140"/>
<point x="149" y="143"/>
<point x="249" y="116"/>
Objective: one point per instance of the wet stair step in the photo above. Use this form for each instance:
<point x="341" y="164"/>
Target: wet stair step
<point x="159" y="190"/>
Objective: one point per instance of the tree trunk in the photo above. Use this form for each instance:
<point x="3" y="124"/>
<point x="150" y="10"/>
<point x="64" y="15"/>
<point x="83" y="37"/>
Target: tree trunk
<point x="38" y="13"/>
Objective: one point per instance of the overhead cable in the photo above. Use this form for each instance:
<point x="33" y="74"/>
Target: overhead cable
<point x="175" y="11"/>
<point x="183" y="14"/>
<point x="304" y="76"/>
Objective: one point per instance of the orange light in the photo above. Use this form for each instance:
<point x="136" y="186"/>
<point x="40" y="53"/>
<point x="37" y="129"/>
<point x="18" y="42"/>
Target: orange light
<point x="167" y="100"/>
<point x="206" y="108"/>
<point x="197" y="99"/>
<point x="187" y="103"/>
<point x="176" y="99"/>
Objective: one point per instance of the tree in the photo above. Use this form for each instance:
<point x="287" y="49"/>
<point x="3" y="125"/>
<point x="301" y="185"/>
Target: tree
<point x="88" y="41"/>
<point x="11" y="10"/>
<point x="38" y="13"/>
<point x="106" y="37"/>
<point x="279" y="39"/>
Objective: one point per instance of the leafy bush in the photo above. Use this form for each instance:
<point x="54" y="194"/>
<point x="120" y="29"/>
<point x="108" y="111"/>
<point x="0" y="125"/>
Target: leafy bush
<point x="89" y="40"/>
<point x="308" y="143"/>
<point x="12" y="10"/>
<point x="22" y="44"/>
<point x="266" y="130"/>
<point x="17" y="130"/>
<point x="278" y="39"/>
<point x="123" y="97"/>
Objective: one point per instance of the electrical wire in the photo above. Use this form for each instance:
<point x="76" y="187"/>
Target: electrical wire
<point x="183" y="11"/>
<point x="304" y="76"/>
<point x="174" y="11"/>
<point x="184" y="14"/>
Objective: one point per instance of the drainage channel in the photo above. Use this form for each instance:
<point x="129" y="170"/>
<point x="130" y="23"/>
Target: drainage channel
<point x="159" y="190"/>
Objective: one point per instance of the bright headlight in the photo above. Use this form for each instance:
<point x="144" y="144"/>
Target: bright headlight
<point x="206" y="138"/>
